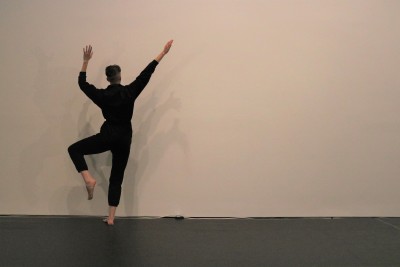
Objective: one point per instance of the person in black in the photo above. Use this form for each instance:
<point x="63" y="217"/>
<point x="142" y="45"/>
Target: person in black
<point x="116" y="103"/>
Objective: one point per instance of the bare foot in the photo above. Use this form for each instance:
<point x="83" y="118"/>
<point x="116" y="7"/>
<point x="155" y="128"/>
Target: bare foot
<point x="108" y="221"/>
<point x="90" y="183"/>
<point x="90" y="189"/>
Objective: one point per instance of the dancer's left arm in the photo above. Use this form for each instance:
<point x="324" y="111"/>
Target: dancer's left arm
<point x="137" y="86"/>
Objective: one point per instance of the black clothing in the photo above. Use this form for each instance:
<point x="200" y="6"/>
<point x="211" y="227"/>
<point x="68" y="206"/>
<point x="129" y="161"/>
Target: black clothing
<point x="116" y="103"/>
<point x="100" y="143"/>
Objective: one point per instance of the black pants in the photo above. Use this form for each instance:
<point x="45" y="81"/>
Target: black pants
<point x="117" y="139"/>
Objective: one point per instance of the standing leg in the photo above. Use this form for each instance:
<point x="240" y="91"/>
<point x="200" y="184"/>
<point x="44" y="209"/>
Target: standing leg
<point x="92" y="145"/>
<point x="119" y="162"/>
<point x="111" y="215"/>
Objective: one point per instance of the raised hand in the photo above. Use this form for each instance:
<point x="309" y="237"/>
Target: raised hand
<point x="166" y="49"/>
<point x="168" y="46"/>
<point x="87" y="53"/>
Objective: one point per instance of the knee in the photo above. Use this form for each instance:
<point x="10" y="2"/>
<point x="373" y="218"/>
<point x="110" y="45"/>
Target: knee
<point x="71" y="149"/>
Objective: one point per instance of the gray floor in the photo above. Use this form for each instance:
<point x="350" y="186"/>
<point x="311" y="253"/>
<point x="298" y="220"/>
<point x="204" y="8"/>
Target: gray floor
<point x="86" y="241"/>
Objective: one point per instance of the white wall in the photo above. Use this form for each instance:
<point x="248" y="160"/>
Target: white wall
<point x="262" y="108"/>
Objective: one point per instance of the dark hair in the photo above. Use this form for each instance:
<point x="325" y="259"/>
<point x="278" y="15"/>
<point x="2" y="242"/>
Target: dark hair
<point x="112" y="71"/>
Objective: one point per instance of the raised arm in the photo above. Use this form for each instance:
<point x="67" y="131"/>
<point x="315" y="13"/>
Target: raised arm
<point x="165" y="51"/>
<point x="87" y="55"/>
<point x="137" y="86"/>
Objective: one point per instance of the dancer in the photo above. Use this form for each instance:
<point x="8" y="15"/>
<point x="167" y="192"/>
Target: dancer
<point x="116" y="103"/>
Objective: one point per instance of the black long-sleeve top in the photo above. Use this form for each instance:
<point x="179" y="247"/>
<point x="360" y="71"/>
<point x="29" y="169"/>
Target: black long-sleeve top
<point x="117" y="101"/>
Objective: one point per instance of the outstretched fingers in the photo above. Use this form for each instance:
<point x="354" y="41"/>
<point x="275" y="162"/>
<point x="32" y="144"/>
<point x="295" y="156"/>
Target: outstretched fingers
<point x="87" y="52"/>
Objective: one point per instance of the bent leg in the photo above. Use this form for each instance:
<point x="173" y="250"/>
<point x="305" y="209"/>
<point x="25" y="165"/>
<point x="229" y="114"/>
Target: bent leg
<point x="91" y="145"/>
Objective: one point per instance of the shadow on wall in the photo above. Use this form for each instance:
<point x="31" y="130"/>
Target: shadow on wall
<point x="145" y="136"/>
<point x="53" y="104"/>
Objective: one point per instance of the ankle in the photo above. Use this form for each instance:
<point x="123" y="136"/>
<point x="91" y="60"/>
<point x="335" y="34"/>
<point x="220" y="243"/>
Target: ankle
<point x="88" y="178"/>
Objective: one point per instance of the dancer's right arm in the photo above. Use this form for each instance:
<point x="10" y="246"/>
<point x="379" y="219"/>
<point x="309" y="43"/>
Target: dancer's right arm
<point x="87" y="55"/>
<point x="90" y="90"/>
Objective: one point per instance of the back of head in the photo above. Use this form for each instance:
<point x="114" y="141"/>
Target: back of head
<point x="113" y="73"/>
